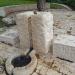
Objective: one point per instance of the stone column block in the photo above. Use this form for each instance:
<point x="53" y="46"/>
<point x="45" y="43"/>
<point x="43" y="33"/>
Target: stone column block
<point x="42" y="31"/>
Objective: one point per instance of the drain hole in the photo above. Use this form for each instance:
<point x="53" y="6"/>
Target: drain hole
<point x="21" y="61"/>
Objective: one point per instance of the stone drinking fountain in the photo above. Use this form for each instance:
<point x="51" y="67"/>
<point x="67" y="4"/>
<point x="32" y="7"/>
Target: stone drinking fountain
<point x="36" y="32"/>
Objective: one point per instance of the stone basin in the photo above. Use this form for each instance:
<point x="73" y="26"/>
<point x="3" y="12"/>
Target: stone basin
<point x="19" y="64"/>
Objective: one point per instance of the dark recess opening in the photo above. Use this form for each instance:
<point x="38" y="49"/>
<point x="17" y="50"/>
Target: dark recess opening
<point x="21" y="61"/>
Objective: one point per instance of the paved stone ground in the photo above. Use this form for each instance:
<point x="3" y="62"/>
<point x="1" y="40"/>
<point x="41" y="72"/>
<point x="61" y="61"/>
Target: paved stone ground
<point x="54" y="67"/>
<point x="3" y="74"/>
<point x="46" y="65"/>
<point x="64" y="22"/>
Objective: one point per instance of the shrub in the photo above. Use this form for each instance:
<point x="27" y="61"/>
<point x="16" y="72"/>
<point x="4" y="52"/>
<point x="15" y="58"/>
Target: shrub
<point x="70" y="3"/>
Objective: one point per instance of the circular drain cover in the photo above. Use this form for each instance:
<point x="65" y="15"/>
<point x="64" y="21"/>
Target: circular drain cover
<point x="21" y="61"/>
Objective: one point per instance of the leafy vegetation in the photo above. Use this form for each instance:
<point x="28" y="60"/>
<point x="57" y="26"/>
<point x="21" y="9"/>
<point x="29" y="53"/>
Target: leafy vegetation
<point x="70" y="3"/>
<point x="15" y="2"/>
<point x="55" y="6"/>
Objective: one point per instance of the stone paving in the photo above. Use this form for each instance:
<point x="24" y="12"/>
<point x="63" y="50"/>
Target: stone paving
<point x="54" y="67"/>
<point x="64" y="22"/>
<point x="49" y="65"/>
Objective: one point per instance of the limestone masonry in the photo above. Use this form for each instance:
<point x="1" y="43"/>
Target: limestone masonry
<point x="64" y="47"/>
<point x="10" y="37"/>
<point x="42" y="31"/>
<point x="36" y="30"/>
<point x="22" y="26"/>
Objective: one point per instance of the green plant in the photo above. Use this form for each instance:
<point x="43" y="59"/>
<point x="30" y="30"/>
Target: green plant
<point x="71" y="3"/>
<point x="15" y="2"/>
<point x="55" y="6"/>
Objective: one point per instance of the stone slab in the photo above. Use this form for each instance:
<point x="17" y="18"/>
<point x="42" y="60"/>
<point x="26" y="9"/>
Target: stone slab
<point x="7" y="51"/>
<point x="64" y="47"/>
<point x="10" y="37"/>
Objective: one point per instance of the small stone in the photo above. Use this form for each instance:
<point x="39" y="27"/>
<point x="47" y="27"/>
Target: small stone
<point x="52" y="72"/>
<point x="9" y="20"/>
<point x="55" y="65"/>
<point x="39" y="67"/>
<point x="34" y="73"/>
<point x="37" y="71"/>
<point x="43" y="71"/>
<point x="1" y="69"/>
<point x="39" y="64"/>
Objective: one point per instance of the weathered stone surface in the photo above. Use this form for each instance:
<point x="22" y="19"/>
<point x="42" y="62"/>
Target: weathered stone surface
<point x="39" y="67"/>
<point x="23" y="29"/>
<point x="1" y="69"/>
<point x="52" y="72"/>
<point x="36" y="30"/>
<point x="7" y="51"/>
<point x="64" y="47"/>
<point x="55" y="66"/>
<point x="25" y="70"/>
<point x="43" y="71"/>
<point x="10" y="37"/>
<point x="9" y="20"/>
<point x="64" y="67"/>
<point x="3" y="73"/>
<point x="34" y="73"/>
<point x="42" y="31"/>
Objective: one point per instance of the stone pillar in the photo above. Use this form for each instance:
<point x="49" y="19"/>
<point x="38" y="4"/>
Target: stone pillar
<point x="35" y="30"/>
<point x="23" y="27"/>
<point x="42" y="31"/>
